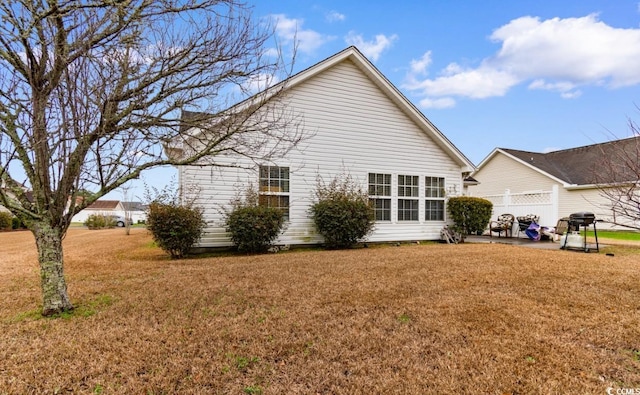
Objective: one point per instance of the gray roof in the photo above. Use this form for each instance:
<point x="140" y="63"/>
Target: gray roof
<point x="134" y="206"/>
<point x="609" y="162"/>
<point x="104" y="205"/>
<point x="190" y="119"/>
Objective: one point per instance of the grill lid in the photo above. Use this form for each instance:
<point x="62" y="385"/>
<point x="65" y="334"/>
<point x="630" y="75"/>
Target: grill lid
<point x="582" y="218"/>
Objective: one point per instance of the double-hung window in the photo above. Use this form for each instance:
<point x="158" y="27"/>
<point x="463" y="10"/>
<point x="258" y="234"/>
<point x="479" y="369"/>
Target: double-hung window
<point x="274" y="188"/>
<point x="408" y="193"/>
<point x="380" y="195"/>
<point x="434" y="202"/>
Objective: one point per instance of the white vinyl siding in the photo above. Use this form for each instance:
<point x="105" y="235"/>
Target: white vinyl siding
<point x="352" y="128"/>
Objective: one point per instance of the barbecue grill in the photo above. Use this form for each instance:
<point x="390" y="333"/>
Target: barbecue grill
<point x="584" y="219"/>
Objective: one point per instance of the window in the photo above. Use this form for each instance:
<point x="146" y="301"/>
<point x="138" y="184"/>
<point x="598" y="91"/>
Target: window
<point x="408" y="208"/>
<point x="274" y="188"/>
<point x="434" y="203"/>
<point x="380" y="195"/>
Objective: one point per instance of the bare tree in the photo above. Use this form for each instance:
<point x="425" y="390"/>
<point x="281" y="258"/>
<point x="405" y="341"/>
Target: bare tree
<point x="126" y="205"/>
<point x="617" y="175"/>
<point x="91" y="90"/>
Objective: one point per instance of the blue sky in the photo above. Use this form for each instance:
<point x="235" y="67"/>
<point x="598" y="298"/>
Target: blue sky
<point x="530" y="75"/>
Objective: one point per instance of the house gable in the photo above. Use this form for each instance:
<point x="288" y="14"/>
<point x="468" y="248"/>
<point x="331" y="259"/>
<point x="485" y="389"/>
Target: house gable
<point x="393" y="94"/>
<point x="354" y="121"/>
<point x="375" y="77"/>
<point x="105" y="205"/>
<point x="501" y="171"/>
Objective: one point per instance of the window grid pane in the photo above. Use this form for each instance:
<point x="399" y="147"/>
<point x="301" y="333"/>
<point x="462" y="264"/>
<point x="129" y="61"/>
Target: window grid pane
<point x="434" y="210"/>
<point x="408" y="186"/>
<point x="281" y="202"/>
<point x="382" y="209"/>
<point x="434" y="187"/>
<point x="408" y="209"/>
<point x="274" y="179"/>
<point x="379" y="184"/>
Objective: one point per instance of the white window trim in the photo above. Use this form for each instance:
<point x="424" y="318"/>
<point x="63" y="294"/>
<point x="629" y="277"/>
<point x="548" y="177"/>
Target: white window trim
<point x="383" y="197"/>
<point x="443" y="199"/>
<point x="276" y="193"/>
<point x="404" y="197"/>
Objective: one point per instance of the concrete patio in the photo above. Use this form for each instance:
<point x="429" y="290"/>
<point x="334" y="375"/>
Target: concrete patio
<point x="524" y="242"/>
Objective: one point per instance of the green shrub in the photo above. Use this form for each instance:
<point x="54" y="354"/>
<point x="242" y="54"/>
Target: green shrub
<point x="99" y="221"/>
<point x="254" y="228"/>
<point x="16" y="223"/>
<point x="6" y="220"/>
<point x="175" y="228"/>
<point x="469" y="214"/>
<point x="342" y="213"/>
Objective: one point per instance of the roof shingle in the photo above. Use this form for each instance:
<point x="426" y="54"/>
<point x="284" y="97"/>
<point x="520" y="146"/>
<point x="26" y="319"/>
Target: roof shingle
<point x="592" y="164"/>
<point x="104" y="205"/>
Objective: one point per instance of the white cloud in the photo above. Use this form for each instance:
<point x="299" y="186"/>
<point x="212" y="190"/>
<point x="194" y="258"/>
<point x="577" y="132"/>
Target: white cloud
<point x="443" y="102"/>
<point x="371" y="49"/>
<point x="420" y="66"/>
<point x="335" y="16"/>
<point x="477" y="83"/>
<point x="290" y="32"/>
<point x="558" y="55"/>
<point x="578" y="50"/>
<point x="259" y="83"/>
<point x="566" y="89"/>
<point x="556" y="86"/>
<point x="571" y="95"/>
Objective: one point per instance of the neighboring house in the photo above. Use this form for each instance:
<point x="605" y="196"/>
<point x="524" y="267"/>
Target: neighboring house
<point x="136" y="211"/>
<point x="100" y="207"/>
<point x="552" y="185"/>
<point x="360" y="125"/>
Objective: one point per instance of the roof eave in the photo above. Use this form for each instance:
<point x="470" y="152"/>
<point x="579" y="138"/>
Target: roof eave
<point x="600" y="186"/>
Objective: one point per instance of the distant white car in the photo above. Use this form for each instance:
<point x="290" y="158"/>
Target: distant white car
<point x="121" y="221"/>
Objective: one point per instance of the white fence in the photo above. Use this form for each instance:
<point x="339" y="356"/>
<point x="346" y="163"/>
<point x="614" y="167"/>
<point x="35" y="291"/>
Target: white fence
<point x="541" y="203"/>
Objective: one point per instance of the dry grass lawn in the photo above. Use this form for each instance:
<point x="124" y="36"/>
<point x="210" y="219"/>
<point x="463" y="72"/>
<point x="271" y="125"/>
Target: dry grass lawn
<point x="430" y="318"/>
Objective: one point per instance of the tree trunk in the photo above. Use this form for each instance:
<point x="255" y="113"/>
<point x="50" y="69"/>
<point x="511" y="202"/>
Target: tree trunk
<point x="54" y="288"/>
